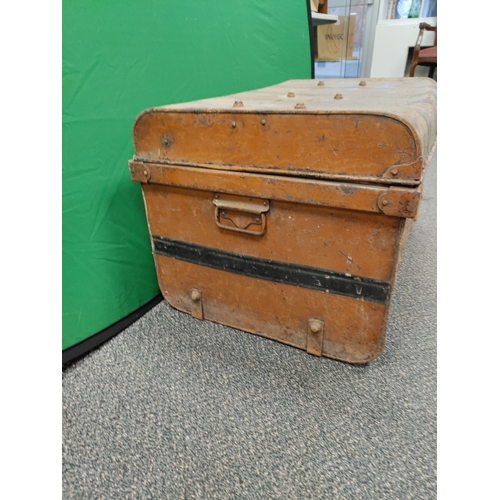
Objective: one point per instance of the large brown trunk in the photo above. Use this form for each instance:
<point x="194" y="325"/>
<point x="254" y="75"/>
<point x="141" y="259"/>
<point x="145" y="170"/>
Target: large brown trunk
<point x="288" y="223"/>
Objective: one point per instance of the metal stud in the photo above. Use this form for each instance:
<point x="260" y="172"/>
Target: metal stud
<point x="394" y="171"/>
<point x="300" y="105"/>
<point x="362" y="83"/>
<point x="263" y="121"/>
<point x="321" y="83"/>
<point x="290" y="94"/>
<point x="233" y="124"/>
<point x="315" y="326"/>
<point x="238" y="104"/>
<point x="316" y="330"/>
<point x="196" y="303"/>
<point x="385" y="203"/>
<point x="338" y="96"/>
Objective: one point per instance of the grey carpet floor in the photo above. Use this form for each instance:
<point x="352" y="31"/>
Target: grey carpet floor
<point x="174" y="408"/>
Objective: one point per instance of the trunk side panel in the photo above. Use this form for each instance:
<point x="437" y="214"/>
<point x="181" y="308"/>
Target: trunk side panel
<point x="347" y="241"/>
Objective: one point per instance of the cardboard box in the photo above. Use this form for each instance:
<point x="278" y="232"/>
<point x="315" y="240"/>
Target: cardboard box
<point x="320" y="6"/>
<point x="331" y="39"/>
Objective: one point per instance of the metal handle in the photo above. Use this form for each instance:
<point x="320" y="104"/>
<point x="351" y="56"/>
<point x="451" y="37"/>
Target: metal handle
<point x="239" y="214"/>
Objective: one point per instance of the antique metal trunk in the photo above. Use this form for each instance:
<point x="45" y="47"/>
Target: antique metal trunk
<point x="284" y="211"/>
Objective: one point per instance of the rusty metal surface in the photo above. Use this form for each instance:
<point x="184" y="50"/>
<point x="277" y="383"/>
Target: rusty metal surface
<point x="196" y="303"/>
<point x="360" y="197"/>
<point x="345" y="241"/>
<point x="326" y="146"/>
<point x="314" y="134"/>
<point x="354" y="330"/>
<point x="287" y="273"/>
<point x="284" y="211"/>
<point x="315" y="336"/>
<point x="400" y="203"/>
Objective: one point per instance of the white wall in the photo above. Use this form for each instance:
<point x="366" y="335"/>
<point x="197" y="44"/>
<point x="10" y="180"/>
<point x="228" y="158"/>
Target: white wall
<point x="391" y="44"/>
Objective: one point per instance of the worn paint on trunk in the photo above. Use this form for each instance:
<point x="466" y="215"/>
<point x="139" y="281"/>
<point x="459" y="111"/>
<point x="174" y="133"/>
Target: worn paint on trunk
<point x="288" y="223"/>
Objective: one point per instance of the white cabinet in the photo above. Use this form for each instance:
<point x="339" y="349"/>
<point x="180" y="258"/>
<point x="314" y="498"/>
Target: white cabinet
<point x="396" y="32"/>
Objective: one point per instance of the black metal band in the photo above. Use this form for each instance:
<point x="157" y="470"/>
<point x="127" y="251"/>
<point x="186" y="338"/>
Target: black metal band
<point x="313" y="278"/>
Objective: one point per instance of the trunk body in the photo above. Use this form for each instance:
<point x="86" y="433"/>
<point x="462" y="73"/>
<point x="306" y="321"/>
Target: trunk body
<point x="284" y="211"/>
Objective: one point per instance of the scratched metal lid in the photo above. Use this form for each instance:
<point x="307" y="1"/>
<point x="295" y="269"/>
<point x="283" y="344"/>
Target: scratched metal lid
<point x="379" y="130"/>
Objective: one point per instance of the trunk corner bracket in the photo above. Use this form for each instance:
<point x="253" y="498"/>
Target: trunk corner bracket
<point x="399" y="202"/>
<point x="139" y="171"/>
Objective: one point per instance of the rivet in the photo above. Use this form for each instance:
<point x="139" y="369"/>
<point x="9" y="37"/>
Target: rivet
<point x="338" y="96"/>
<point x="394" y="171"/>
<point x="238" y="104"/>
<point x="216" y="196"/>
<point x="233" y="124"/>
<point x="315" y="326"/>
<point x="223" y="214"/>
<point x="385" y="203"/>
<point x="195" y="295"/>
<point x="167" y="140"/>
<point x="290" y="94"/>
<point x="257" y="219"/>
<point x="300" y="105"/>
<point x="321" y="83"/>
<point x="264" y="202"/>
<point x="145" y="172"/>
<point x="263" y="121"/>
<point x="362" y="83"/>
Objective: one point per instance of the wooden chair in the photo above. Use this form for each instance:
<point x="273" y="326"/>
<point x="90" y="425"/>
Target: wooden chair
<point x="425" y="57"/>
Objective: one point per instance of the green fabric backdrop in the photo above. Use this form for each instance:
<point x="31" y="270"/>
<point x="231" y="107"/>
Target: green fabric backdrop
<point x="120" y="57"/>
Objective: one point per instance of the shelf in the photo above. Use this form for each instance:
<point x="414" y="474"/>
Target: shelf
<point x="319" y="19"/>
